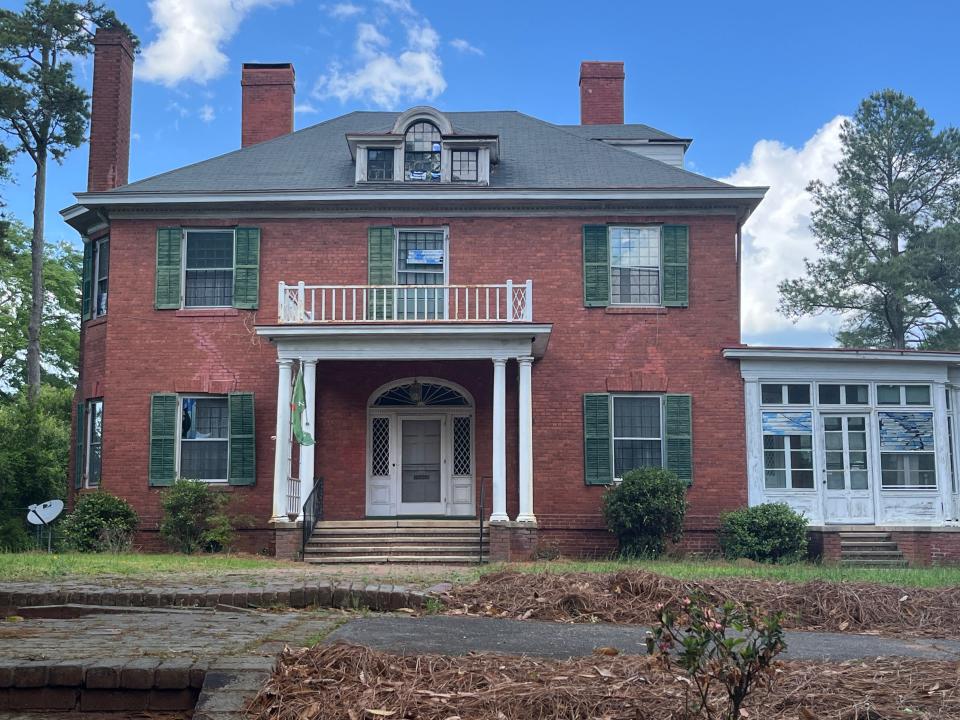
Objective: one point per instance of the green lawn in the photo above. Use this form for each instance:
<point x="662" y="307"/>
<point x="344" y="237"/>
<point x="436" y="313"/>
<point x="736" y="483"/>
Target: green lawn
<point x="41" y="566"/>
<point x="703" y="570"/>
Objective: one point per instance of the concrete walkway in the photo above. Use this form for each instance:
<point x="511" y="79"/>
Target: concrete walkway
<point x="455" y="635"/>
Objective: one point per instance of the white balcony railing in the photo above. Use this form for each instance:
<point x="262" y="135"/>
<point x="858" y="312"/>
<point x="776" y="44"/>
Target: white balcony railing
<point x="306" y="304"/>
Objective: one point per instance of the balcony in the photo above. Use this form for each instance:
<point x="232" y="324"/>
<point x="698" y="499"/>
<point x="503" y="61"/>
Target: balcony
<point x="302" y="304"/>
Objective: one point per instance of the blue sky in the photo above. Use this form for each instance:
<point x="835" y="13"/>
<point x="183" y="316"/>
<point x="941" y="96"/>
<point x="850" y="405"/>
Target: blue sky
<point x="758" y="85"/>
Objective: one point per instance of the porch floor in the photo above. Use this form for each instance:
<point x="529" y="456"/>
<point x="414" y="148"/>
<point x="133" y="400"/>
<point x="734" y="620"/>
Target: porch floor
<point x="398" y="540"/>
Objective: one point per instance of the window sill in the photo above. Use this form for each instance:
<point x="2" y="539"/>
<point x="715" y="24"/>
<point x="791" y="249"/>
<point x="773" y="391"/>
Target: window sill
<point x="207" y="312"/>
<point x="635" y="310"/>
<point x="96" y="321"/>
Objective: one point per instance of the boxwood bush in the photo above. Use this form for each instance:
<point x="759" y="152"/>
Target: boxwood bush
<point x="194" y="519"/>
<point x="99" y="521"/>
<point x="646" y="510"/>
<point x="771" y="533"/>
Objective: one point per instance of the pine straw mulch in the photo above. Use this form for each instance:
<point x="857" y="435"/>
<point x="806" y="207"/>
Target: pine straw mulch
<point x="630" y="597"/>
<point x="349" y="682"/>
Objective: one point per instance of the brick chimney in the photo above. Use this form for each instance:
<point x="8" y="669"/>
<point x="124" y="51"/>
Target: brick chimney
<point x="267" y="101"/>
<point x="110" y="110"/>
<point x="601" y="93"/>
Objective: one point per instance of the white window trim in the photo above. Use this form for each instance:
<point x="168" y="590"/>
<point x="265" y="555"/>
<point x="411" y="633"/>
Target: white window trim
<point x="911" y="488"/>
<point x="365" y="151"/>
<point x="475" y="151"/>
<point x="788" y="463"/>
<point x="87" y="441"/>
<point x="614" y="438"/>
<point x="903" y="395"/>
<point x="183" y="265"/>
<point x="659" y="227"/>
<point x="201" y="396"/>
<point x="784" y="396"/>
<point x="95" y="290"/>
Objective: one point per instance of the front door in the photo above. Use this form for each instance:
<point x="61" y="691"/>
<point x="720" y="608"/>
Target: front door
<point x="848" y="496"/>
<point x="422" y="488"/>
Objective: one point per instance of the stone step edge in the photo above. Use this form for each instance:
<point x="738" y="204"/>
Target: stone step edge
<point x="346" y="595"/>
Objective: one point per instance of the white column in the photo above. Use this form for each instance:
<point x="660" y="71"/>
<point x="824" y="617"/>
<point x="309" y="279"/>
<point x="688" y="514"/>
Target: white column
<point x="526" y="440"/>
<point x="309" y="425"/>
<point x="499" y="441"/>
<point x="281" y="453"/>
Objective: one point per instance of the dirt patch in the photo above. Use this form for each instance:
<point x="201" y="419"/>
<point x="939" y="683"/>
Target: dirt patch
<point x="631" y="597"/>
<point x="348" y="682"/>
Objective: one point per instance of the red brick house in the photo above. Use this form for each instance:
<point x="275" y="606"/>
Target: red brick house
<point x="493" y="317"/>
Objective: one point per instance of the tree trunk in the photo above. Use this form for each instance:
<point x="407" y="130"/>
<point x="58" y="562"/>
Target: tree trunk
<point x="37" y="292"/>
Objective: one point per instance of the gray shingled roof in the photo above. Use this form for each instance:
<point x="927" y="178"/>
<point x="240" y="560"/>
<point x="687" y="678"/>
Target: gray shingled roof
<point x="533" y="154"/>
<point x="633" y="131"/>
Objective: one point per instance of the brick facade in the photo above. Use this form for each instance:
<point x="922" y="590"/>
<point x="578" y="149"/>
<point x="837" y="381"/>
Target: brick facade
<point x="137" y="350"/>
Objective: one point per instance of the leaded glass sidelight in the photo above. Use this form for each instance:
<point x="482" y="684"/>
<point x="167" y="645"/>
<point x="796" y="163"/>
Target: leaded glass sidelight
<point x="421" y="153"/>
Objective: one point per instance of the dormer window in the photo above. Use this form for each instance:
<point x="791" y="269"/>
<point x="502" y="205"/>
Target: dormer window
<point x="464" y="165"/>
<point x="422" y="152"/>
<point x="380" y="164"/>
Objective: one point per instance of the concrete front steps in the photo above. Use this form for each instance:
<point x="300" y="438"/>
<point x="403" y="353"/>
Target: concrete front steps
<point x="870" y="548"/>
<point x="397" y="541"/>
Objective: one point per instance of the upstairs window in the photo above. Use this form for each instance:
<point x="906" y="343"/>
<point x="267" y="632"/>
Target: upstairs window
<point x="421" y="153"/>
<point x="635" y="265"/>
<point x="102" y="275"/>
<point x="464" y="166"/>
<point x="380" y="164"/>
<point x="208" y="275"/>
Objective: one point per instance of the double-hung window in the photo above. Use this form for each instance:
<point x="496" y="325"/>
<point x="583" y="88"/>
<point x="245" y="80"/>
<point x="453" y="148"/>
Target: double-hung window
<point x="379" y="164"/>
<point x="464" y="165"/>
<point x="204" y="438"/>
<point x="93" y="443"/>
<point x="208" y="270"/>
<point x="637" y="433"/>
<point x="635" y="265"/>
<point x="421" y="261"/>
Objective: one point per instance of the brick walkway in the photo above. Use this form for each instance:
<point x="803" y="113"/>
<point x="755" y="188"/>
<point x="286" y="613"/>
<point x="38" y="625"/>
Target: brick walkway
<point x="161" y="660"/>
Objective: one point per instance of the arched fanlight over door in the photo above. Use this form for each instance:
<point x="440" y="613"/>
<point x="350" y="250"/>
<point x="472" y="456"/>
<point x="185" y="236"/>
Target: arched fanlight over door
<point x="417" y="394"/>
<point x="421" y="152"/>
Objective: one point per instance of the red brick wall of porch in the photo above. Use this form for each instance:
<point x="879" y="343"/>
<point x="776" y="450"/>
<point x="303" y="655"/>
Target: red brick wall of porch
<point x="138" y="350"/>
<point x="920" y="546"/>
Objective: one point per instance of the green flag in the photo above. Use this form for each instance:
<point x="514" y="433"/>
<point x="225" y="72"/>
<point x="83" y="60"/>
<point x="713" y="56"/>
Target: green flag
<point x="297" y="405"/>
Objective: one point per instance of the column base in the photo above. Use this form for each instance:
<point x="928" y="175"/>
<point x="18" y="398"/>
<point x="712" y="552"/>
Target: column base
<point x="288" y="538"/>
<point x="499" y="518"/>
<point x="526" y="519"/>
<point x="512" y="541"/>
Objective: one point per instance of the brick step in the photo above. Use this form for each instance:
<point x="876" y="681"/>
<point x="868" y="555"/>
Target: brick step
<point x="868" y="545"/>
<point x="367" y="559"/>
<point x="335" y="524"/>
<point x="871" y="554"/>
<point x="873" y="563"/>
<point x="396" y="537"/>
<point x="392" y="549"/>
<point x="392" y="532"/>
<point x="866" y="535"/>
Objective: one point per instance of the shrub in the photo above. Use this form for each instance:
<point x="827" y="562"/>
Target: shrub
<point x="99" y="521"/>
<point x="645" y="510"/>
<point x="765" y="533"/>
<point x="730" y="645"/>
<point x="194" y="518"/>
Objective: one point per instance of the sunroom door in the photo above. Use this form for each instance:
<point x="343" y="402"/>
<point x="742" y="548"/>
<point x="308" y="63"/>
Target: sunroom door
<point x="381" y="470"/>
<point x="848" y="494"/>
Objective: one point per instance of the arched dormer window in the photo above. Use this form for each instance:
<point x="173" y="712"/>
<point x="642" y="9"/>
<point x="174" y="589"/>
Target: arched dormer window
<point x="422" y="152"/>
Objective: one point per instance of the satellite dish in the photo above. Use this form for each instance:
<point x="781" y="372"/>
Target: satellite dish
<point x="44" y="514"/>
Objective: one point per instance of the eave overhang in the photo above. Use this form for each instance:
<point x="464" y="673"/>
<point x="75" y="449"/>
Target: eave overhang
<point x="841" y="355"/>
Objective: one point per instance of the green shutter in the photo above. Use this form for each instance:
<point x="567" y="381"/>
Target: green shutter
<point x="168" y="268"/>
<point x="246" y="269"/>
<point x="596" y="266"/>
<point x="163" y="438"/>
<point x="679" y="425"/>
<point x="78" y="449"/>
<point x="243" y="454"/>
<point x="87" y="282"/>
<point x="596" y="439"/>
<point x="380" y="271"/>
<point x="676" y="253"/>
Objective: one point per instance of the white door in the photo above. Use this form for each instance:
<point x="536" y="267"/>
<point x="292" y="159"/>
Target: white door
<point x="381" y="467"/>
<point x="848" y="495"/>
<point x="422" y="487"/>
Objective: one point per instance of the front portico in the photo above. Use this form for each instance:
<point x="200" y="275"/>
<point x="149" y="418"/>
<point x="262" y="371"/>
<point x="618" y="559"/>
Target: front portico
<point x="420" y="430"/>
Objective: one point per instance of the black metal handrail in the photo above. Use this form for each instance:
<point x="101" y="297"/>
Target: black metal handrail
<point x="312" y="513"/>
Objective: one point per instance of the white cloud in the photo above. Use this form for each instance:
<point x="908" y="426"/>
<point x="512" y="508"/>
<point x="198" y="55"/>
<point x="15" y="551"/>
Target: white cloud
<point x="465" y="47"/>
<point x="777" y="236"/>
<point x="190" y="37"/>
<point x="344" y="10"/>
<point x="377" y="75"/>
<point x="305" y="108"/>
<point x="207" y="114"/>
